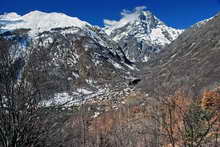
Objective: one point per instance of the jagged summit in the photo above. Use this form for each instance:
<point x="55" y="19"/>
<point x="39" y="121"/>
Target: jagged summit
<point x="135" y="17"/>
<point x="139" y="32"/>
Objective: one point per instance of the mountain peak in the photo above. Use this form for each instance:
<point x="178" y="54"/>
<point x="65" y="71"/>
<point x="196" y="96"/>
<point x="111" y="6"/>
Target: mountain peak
<point x="135" y="17"/>
<point x="39" y="21"/>
<point x="140" y="33"/>
<point x="36" y="12"/>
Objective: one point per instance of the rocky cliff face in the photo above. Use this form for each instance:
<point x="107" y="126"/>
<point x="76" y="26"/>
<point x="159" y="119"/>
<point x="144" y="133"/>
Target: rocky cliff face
<point x="140" y="34"/>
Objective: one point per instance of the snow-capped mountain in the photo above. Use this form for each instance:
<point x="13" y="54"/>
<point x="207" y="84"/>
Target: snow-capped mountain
<point x="140" y="33"/>
<point x="39" y="21"/>
<point x="77" y="56"/>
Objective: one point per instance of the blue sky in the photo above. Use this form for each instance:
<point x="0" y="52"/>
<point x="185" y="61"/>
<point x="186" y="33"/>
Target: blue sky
<point x="175" y="13"/>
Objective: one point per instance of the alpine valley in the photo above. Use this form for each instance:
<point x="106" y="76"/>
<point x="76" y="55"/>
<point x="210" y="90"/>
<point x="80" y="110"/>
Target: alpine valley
<point x="86" y="59"/>
<point x="109" y="86"/>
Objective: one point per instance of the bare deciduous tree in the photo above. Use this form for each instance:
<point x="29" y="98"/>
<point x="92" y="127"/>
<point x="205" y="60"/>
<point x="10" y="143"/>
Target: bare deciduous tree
<point x="22" y="121"/>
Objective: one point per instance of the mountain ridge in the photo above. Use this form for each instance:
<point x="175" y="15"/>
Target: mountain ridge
<point x="145" y="31"/>
<point x="140" y="33"/>
<point x="39" y="21"/>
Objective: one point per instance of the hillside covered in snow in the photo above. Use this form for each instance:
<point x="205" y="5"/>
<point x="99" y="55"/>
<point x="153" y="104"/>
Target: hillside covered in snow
<point x="39" y="21"/>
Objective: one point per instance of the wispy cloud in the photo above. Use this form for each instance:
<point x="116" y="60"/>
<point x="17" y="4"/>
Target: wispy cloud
<point x="108" y="22"/>
<point x="124" y="13"/>
<point x="140" y="8"/>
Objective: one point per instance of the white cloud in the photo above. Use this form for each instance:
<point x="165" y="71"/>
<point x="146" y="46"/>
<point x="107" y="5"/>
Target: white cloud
<point x="108" y="22"/>
<point x="125" y="12"/>
<point x="140" y="8"/>
<point x="127" y="16"/>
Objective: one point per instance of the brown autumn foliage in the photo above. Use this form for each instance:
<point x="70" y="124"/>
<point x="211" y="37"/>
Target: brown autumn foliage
<point x="125" y="123"/>
<point x="128" y="112"/>
<point x="173" y="109"/>
<point x="121" y="127"/>
<point x="211" y="100"/>
<point x="105" y="123"/>
<point x="178" y="121"/>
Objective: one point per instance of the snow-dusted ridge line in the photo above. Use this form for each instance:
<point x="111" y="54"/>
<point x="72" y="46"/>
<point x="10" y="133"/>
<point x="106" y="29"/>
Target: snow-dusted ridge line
<point x="140" y="33"/>
<point x="39" y="21"/>
<point x="202" y="22"/>
<point x="152" y="31"/>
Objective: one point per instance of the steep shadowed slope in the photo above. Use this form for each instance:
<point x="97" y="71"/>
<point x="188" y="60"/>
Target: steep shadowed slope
<point x="191" y="62"/>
